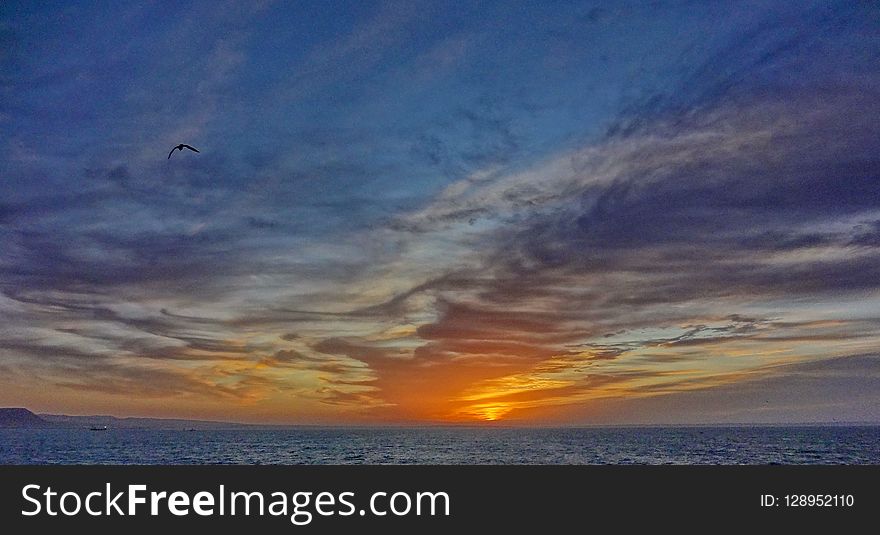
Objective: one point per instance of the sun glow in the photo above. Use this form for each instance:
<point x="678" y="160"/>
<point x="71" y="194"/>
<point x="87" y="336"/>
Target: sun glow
<point x="490" y="412"/>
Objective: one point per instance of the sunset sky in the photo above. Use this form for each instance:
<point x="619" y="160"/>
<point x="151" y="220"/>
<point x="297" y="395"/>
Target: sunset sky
<point x="519" y="212"/>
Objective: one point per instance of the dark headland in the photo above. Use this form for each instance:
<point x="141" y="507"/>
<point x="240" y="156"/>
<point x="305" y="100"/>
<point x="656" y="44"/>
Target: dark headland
<point x="23" y="418"/>
<point x="19" y="417"/>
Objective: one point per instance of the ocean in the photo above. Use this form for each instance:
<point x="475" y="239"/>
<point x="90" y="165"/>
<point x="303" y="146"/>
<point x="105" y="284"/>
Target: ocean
<point x="606" y="445"/>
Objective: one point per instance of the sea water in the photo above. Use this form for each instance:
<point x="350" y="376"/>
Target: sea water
<point x="607" y="445"/>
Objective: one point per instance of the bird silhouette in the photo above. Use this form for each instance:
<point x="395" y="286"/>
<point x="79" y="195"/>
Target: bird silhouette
<point x="180" y="148"/>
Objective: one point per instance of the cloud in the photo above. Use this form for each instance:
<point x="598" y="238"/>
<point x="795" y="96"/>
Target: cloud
<point x="132" y="380"/>
<point x="842" y="389"/>
<point x="732" y="209"/>
<point x="457" y="219"/>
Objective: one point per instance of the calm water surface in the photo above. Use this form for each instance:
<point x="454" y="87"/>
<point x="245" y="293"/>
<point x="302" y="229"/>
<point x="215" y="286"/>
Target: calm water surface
<point x="621" y="445"/>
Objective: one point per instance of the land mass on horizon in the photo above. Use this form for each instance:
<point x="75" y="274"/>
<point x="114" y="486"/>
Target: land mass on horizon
<point x="18" y="417"/>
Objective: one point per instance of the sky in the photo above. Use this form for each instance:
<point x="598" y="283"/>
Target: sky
<point x="528" y="213"/>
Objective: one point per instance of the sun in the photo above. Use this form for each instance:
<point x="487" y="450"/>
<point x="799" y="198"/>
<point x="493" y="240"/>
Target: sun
<point x="491" y="412"/>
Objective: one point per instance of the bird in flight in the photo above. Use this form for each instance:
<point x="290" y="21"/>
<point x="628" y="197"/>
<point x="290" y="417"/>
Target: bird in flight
<point x="180" y="148"/>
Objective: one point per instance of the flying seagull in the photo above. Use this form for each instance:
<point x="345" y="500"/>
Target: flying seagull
<point x="180" y="148"/>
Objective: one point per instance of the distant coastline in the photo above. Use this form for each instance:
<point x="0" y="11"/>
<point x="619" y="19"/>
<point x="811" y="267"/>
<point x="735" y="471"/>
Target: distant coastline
<point x="18" y="417"/>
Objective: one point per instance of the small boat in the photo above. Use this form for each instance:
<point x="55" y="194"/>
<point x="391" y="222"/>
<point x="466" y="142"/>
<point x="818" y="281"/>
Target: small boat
<point x="98" y="428"/>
